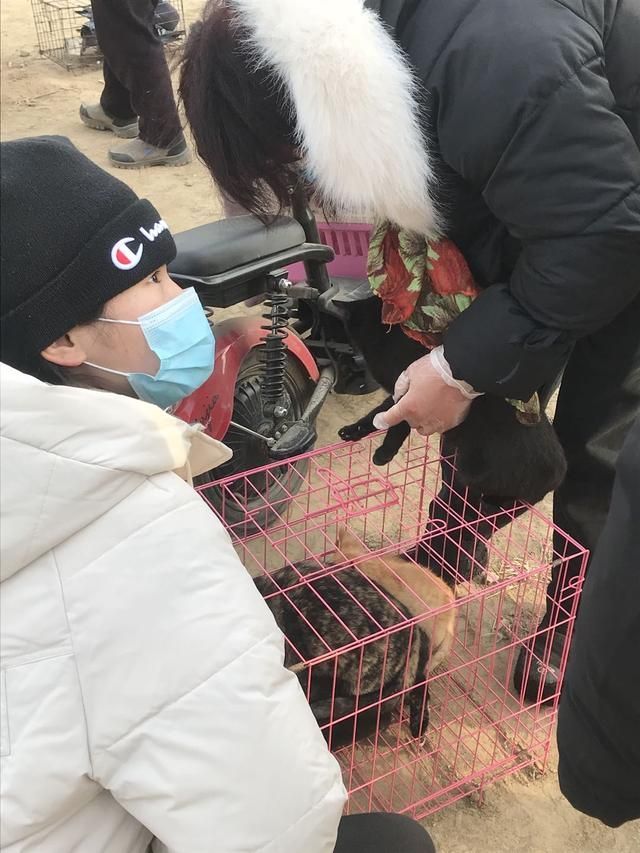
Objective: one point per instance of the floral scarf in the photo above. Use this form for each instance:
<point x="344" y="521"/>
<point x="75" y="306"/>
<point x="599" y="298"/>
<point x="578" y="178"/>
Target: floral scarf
<point x="424" y="285"/>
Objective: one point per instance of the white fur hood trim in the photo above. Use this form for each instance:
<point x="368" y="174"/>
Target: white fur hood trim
<point x="356" y="106"/>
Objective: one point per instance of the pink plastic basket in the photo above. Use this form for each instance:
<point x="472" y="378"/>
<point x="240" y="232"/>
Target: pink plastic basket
<point x="350" y="242"/>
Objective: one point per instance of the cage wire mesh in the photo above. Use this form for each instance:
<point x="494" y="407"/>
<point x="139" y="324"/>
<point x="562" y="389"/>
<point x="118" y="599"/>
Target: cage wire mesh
<point x="66" y="33"/>
<point x="360" y="622"/>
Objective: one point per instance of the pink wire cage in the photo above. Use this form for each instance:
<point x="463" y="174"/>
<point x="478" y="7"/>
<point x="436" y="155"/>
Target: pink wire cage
<point x="478" y="730"/>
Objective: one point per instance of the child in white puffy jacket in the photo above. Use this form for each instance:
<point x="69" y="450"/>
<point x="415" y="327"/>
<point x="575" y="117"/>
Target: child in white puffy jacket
<point x="144" y="697"/>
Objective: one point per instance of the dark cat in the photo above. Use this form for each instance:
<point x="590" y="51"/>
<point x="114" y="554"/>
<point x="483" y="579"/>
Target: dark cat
<point x="340" y="686"/>
<point x="497" y="455"/>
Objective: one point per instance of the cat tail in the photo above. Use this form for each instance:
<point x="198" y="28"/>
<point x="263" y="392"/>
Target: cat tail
<point x="419" y="695"/>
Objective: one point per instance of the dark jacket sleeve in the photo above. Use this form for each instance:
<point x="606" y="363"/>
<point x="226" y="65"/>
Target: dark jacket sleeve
<point x="599" y="717"/>
<point x="564" y="177"/>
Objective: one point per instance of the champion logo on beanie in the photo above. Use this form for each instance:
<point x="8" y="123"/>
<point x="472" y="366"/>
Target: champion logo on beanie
<point x="126" y="258"/>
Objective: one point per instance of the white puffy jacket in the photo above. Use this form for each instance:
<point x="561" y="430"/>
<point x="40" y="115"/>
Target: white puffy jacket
<point x="143" y="691"/>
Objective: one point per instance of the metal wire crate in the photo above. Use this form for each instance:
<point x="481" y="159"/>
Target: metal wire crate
<point x="65" y="32"/>
<point x="478" y="730"/>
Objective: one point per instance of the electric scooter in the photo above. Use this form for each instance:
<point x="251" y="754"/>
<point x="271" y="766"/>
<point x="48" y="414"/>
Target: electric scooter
<point x="272" y="373"/>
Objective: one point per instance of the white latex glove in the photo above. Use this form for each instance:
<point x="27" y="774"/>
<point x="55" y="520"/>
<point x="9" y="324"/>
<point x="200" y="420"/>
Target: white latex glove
<point x="428" y="397"/>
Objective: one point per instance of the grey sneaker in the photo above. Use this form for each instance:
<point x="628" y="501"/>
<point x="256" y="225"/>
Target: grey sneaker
<point x="96" y="118"/>
<point x="138" y="154"/>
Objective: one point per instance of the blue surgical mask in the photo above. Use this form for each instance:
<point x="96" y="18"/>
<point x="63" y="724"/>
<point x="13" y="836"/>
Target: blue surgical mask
<point x="180" y="335"/>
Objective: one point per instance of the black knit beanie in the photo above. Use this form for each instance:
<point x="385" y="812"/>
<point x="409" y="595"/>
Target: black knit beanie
<point x="72" y="237"/>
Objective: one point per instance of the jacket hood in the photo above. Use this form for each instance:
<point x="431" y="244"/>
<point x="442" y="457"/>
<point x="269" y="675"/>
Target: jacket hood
<point x="356" y="105"/>
<point x="70" y="454"/>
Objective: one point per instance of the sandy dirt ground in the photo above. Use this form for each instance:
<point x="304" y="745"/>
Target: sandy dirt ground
<point x="518" y="816"/>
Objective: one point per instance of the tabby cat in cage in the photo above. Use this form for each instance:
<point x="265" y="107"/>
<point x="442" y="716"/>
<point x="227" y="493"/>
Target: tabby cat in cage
<point x="328" y="613"/>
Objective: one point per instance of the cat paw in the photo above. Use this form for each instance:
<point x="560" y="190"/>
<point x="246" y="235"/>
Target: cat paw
<point x="382" y="456"/>
<point x="354" y="432"/>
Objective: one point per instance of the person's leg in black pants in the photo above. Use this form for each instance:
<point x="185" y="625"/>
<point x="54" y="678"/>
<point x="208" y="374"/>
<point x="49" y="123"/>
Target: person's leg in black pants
<point x="137" y="83"/>
<point x="598" y="402"/>
<point x="382" y="833"/>
<point x="135" y="63"/>
<point x="114" y="111"/>
<point x="116" y="98"/>
<point x="598" y="744"/>
<point x="461" y="520"/>
<point x="465" y="518"/>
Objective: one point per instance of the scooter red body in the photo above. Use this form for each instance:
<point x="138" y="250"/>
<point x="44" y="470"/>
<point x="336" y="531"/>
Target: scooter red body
<point x="212" y="404"/>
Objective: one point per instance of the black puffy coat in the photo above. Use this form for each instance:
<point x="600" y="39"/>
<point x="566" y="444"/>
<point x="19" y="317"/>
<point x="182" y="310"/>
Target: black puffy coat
<point x="533" y="111"/>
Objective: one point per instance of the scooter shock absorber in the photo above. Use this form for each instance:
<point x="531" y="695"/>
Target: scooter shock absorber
<point x="274" y="349"/>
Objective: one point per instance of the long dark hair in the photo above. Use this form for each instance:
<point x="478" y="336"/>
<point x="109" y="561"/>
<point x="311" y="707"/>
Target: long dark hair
<point x="242" y="120"/>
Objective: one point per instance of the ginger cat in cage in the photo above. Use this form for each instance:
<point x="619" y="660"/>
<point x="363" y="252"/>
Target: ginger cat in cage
<point x="376" y="593"/>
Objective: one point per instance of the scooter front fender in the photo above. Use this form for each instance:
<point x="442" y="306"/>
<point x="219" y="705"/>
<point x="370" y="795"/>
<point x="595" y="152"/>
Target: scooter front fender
<point x="212" y="404"/>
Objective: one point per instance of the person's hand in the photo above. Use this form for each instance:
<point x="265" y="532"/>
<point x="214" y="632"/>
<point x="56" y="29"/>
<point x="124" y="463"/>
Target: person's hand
<point x="428" y="397"/>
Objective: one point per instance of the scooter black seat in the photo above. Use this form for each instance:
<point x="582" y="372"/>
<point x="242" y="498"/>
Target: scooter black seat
<point x="218" y="247"/>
